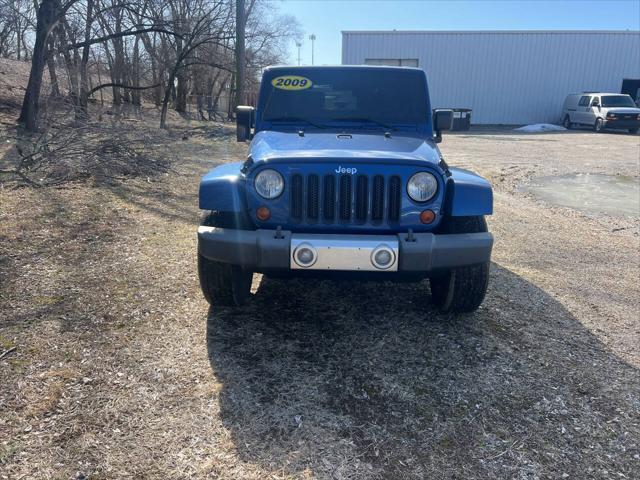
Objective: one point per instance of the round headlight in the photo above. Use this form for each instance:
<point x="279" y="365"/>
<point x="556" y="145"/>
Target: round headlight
<point x="422" y="186"/>
<point x="269" y="183"/>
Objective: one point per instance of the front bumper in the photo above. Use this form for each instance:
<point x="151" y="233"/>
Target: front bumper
<point x="622" y="123"/>
<point x="267" y="250"/>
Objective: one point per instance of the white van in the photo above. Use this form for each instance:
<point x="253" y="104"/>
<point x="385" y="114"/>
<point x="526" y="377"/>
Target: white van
<point x="600" y="111"/>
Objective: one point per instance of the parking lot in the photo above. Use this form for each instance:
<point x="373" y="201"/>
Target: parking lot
<point x="112" y="376"/>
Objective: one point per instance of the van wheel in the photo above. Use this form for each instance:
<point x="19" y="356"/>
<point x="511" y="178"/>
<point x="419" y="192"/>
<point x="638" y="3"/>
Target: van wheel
<point x="597" y="127"/>
<point x="634" y="130"/>
<point x="566" y="123"/>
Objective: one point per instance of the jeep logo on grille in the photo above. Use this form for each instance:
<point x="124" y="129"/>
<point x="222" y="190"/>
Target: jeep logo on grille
<point x="342" y="169"/>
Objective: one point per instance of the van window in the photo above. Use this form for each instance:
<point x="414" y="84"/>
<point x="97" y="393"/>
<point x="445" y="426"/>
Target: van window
<point x="584" y="101"/>
<point x="617" y="101"/>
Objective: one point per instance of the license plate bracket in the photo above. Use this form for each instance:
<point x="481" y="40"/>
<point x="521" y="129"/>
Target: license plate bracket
<point x="345" y="252"/>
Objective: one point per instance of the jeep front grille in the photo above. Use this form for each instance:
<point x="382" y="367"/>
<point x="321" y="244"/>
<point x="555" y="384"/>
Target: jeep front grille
<point x="344" y="197"/>
<point x="313" y="196"/>
<point x="296" y="196"/>
<point x="357" y="199"/>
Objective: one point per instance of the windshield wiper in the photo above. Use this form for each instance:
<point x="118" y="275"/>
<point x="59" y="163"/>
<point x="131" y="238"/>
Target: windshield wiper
<point x="293" y="120"/>
<point x="363" y="119"/>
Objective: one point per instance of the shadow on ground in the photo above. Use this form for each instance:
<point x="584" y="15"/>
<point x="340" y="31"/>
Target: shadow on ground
<point x="365" y="380"/>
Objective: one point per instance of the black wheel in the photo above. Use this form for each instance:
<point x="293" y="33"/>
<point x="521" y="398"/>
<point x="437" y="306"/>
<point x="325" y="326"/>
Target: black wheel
<point x="597" y="127"/>
<point x="461" y="289"/>
<point x="223" y="284"/>
<point x="634" y="130"/>
<point x="566" y="123"/>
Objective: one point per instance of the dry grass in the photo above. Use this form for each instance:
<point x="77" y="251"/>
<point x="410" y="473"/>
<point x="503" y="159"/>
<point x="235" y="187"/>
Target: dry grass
<point x="122" y="371"/>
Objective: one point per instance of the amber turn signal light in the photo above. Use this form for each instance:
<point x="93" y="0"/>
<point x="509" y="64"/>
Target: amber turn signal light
<point x="263" y="214"/>
<point x="427" y="216"/>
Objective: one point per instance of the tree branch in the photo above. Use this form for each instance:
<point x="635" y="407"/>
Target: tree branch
<point x="126" y="33"/>
<point x="120" y="85"/>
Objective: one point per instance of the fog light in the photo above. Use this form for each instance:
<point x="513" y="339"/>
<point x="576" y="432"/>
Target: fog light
<point x="305" y="255"/>
<point x="263" y="214"/>
<point x="382" y="257"/>
<point x="427" y="216"/>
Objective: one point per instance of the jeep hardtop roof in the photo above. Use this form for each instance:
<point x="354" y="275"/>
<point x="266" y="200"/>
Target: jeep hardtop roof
<point x="323" y="67"/>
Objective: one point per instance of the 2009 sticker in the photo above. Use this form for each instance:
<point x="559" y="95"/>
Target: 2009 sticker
<point x="291" y="82"/>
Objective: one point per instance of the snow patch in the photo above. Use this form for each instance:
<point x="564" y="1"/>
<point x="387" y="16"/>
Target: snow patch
<point x="540" y="127"/>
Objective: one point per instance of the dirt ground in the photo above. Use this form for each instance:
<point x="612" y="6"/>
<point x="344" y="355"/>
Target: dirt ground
<point x="120" y="369"/>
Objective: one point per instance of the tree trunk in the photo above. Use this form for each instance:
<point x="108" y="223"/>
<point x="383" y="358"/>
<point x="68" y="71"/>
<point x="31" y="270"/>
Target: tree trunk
<point x="18" y="39"/>
<point x="232" y="97"/>
<point x="181" y="92"/>
<point x="51" y="64"/>
<point x="95" y="60"/>
<point x="180" y="104"/>
<point x="118" y="74"/>
<point x="240" y="52"/>
<point x="167" y="95"/>
<point x="82" y="112"/>
<point x="135" y="94"/>
<point x="155" y="78"/>
<point x="46" y="19"/>
<point x="71" y="64"/>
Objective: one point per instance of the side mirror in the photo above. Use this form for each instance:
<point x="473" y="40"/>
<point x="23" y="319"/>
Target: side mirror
<point x="595" y="103"/>
<point x="244" y="123"/>
<point x="442" y="120"/>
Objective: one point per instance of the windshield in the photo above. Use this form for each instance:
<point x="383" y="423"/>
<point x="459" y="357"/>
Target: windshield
<point x="319" y="97"/>
<point x="617" y="101"/>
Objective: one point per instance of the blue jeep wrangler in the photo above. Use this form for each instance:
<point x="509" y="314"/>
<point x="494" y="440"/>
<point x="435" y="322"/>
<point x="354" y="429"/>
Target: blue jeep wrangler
<point x="344" y="177"/>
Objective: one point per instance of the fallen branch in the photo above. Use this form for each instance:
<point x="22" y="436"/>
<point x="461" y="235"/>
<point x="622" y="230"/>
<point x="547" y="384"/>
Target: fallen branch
<point x="26" y="179"/>
<point x="12" y="349"/>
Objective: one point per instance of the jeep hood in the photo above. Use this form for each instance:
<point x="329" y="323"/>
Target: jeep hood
<point x="269" y="146"/>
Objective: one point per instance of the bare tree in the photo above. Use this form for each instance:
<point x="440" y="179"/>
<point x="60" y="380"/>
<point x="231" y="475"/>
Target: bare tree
<point x="209" y="25"/>
<point x="48" y="16"/>
<point x="171" y="52"/>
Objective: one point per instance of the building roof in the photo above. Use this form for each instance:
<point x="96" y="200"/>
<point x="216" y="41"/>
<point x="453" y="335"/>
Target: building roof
<point x="492" y="32"/>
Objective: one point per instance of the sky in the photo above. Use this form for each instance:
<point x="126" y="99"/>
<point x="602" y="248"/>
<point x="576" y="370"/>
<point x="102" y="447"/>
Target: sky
<point x="327" y="18"/>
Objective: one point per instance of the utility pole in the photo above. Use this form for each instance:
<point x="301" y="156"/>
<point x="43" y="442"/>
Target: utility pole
<point x="298" y="44"/>
<point x="312" y="37"/>
<point x="240" y="52"/>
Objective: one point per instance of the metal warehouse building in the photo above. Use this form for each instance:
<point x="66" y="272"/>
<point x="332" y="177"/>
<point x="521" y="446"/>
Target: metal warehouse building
<point x="506" y="77"/>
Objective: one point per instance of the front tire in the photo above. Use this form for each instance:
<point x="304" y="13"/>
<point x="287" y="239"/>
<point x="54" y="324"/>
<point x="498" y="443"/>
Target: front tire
<point x="566" y="123"/>
<point x="223" y="284"/>
<point x="634" y="130"/>
<point x="461" y="290"/>
<point x="598" y="126"/>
